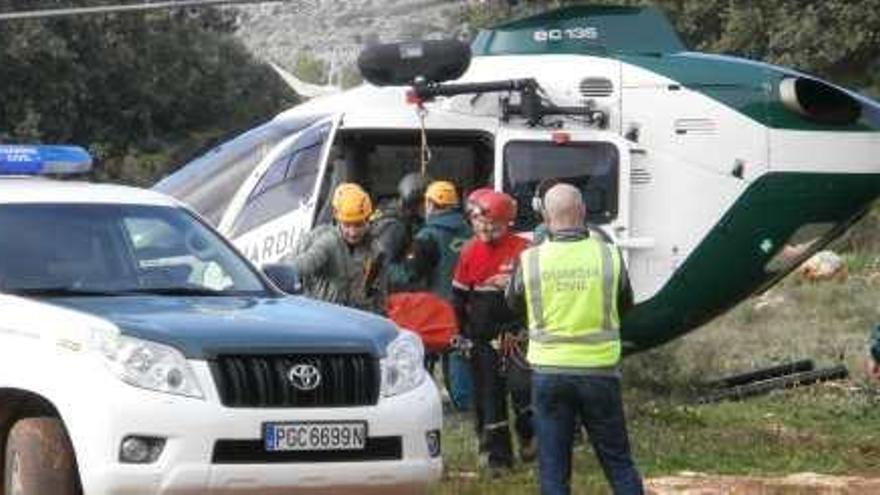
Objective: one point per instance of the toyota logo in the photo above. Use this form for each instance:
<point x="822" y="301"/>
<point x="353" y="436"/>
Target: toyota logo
<point x="304" y="377"/>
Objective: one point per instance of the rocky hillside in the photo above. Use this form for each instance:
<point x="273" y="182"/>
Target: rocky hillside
<point x="333" y="31"/>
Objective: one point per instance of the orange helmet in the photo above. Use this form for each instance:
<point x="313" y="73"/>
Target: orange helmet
<point x="442" y="193"/>
<point x="496" y="206"/>
<point x="351" y="203"/>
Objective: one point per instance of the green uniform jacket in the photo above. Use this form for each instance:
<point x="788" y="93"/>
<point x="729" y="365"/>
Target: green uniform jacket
<point x="335" y="272"/>
<point x="435" y="252"/>
<point x="393" y="232"/>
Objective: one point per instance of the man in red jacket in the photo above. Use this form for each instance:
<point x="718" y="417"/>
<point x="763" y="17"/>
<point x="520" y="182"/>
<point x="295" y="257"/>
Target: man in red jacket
<point x="481" y="275"/>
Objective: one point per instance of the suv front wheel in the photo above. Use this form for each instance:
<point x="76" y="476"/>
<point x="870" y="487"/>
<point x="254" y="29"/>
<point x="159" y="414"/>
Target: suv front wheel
<point x="39" y="459"/>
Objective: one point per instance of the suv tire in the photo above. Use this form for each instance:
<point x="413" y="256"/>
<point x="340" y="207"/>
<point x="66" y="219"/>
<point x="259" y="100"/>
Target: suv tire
<point x="40" y="459"/>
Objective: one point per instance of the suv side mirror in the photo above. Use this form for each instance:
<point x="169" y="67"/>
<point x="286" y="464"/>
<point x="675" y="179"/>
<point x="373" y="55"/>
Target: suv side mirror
<point x="284" y="277"/>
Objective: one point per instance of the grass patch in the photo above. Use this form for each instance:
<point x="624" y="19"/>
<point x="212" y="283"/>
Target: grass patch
<point x="823" y="429"/>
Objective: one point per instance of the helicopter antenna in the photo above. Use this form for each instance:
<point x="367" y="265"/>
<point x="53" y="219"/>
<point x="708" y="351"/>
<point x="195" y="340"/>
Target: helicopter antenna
<point x="110" y="9"/>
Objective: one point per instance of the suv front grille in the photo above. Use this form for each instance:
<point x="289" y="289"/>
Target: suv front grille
<point x="346" y="380"/>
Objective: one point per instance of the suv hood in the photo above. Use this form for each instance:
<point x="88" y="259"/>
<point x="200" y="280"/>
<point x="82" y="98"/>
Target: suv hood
<point x="204" y="327"/>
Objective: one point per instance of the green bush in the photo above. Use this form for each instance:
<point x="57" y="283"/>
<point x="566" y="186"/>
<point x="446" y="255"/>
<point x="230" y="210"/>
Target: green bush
<point x="139" y="89"/>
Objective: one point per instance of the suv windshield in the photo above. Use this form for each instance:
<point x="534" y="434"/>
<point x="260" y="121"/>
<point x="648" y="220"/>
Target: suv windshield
<point x="590" y="166"/>
<point x="107" y="249"/>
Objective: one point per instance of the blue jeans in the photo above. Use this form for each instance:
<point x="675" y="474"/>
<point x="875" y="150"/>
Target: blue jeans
<point x="459" y="380"/>
<point x="558" y="400"/>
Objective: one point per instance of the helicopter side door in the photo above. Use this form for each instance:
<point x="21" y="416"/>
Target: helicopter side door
<point x="276" y="204"/>
<point x="596" y="162"/>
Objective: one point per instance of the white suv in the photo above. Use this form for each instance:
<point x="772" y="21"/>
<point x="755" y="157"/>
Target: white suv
<point x="141" y="354"/>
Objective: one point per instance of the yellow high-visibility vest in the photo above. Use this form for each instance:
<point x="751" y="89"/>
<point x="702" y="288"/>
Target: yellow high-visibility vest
<point x="571" y="293"/>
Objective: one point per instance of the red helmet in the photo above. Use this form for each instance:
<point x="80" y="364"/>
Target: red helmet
<point x="470" y="205"/>
<point x="496" y="206"/>
<point x="475" y="195"/>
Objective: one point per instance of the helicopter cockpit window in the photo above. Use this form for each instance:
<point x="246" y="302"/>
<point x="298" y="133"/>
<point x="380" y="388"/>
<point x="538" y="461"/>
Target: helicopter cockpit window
<point x="590" y="166"/>
<point x="208" y="183"/>
<point x="288" y="183"/>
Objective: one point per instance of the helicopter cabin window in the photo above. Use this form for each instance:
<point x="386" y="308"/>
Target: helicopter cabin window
<point x="590" y="166"/>
<point x="287" y="184"/>
<point x="377" y="160"/>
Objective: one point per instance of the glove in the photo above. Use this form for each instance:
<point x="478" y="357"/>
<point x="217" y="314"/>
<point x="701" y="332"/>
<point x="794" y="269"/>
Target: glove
<point x="462" y="344"/>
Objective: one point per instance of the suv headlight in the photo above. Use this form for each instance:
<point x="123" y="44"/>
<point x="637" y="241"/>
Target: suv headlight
<point x="149" y="365"/>
<point x="403" y="368"/>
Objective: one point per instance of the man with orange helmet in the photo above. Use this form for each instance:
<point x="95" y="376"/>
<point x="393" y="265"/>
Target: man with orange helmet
<point x="427" y="270"/>
<point x="436" y="245"/>
<point x="480" y="278"/>
<point x="335" y="262"/>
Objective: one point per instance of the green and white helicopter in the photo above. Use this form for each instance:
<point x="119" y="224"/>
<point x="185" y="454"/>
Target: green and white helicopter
<point x="715" y="175"/>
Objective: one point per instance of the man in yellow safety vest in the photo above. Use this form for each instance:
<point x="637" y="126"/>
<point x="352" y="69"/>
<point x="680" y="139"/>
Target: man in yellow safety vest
<point x="574" y="289"/>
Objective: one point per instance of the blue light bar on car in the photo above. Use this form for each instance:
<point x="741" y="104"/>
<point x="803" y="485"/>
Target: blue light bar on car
<point x="43" y="160"/>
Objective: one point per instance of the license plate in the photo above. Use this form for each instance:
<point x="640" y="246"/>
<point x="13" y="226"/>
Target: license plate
<point x="315" y="435"/>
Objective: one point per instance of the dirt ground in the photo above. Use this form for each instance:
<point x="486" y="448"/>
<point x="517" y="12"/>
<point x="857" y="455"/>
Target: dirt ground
<point x="800" y="484"/>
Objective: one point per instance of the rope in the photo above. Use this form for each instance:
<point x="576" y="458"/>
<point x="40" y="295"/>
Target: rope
<point x="424" y="151"/>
